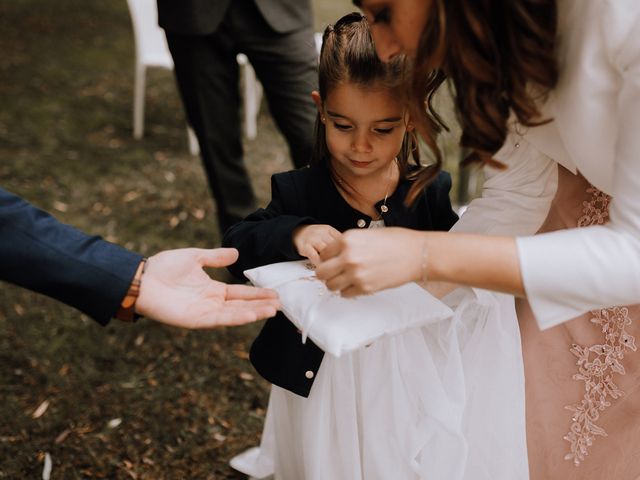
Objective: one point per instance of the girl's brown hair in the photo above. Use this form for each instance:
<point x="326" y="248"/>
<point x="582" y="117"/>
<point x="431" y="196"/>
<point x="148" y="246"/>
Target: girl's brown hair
<point x="348" y="55"/>
<point x="499" y="56"/>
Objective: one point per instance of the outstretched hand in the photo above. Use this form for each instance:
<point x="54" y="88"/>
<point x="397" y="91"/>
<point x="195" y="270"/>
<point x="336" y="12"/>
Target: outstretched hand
<point x="175" y="290"/>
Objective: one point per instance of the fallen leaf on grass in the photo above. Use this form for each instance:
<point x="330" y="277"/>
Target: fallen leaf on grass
<point x="241" y="354"/>
<point x="19" y="309"/>
<point x="198" y="213"/>
<point x="62" y="437"/>
<point x="48" y="466"/>
<point x="60" y="206"/>
<point x="128" y="467"/>
<point x="130" y="196"/>
<point x="84" y="429"/>
<point x="38" y="412"/>
<point x="246" y="376"/>
<point x="114" y="423"/>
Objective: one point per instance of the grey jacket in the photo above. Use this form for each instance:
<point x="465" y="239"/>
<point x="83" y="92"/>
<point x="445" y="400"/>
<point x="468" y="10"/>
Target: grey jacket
<point x="202" y="17"/>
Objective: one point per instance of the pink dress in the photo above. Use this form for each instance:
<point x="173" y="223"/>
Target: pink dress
<point x="582" y="377"/>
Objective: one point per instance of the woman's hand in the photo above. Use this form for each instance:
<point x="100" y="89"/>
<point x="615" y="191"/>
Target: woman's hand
<point x="310" y="240"/>
<point x="366" y="261"/>
<point x="177" y="291"/>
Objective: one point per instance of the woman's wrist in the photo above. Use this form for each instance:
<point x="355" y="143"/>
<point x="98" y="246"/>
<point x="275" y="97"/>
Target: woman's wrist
<point x="415" y="254"/>
<point x="423" y="245"/>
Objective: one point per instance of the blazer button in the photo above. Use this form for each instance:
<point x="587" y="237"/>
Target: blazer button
<point x="361" y="223"/>
<point x="309" y="374"/>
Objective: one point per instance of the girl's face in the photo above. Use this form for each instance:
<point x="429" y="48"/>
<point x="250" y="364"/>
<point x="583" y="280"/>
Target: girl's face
<point x="395" y="25"/>
<point x="364" y="129"/>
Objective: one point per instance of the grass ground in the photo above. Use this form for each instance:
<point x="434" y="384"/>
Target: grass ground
<point x="126" y="401"/>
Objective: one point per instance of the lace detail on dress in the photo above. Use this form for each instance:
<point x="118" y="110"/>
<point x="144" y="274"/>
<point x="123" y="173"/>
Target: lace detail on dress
<point x="596" y="210"/>
<point x="597" y="363"/>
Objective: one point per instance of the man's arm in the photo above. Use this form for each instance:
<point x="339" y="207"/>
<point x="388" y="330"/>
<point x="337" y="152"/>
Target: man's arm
<point x="39" y="253"/>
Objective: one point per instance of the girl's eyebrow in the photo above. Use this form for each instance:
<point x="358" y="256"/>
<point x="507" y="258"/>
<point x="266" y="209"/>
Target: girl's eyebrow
<point x="384" y="120"/>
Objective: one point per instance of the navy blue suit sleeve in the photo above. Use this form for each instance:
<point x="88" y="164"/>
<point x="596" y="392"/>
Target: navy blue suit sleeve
<point x="265" y="236"/>
<point x="39" y="253"/>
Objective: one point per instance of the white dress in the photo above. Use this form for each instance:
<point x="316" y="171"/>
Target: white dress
<point x="441" y="402"/>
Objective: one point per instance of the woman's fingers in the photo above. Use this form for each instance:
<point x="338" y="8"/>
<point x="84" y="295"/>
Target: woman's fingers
<point x="327" y="269"/>
<point x="351" y="292"/>
<point x="339" y="283"/>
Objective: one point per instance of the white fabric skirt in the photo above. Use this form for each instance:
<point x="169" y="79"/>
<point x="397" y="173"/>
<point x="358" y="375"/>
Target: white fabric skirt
<point x="441" y="402"/>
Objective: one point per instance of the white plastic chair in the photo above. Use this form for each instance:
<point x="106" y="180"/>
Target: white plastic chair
<point x="252" y="95"/>
<point x="152" y="51"/>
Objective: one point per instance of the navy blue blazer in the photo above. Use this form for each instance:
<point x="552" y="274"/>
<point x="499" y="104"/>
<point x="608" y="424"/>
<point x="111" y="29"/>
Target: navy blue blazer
<point x="309" y="196"/>
<point x="39" y="253"/>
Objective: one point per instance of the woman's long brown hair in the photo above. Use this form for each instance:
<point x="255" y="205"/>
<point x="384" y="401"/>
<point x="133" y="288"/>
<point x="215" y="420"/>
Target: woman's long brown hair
<point x="499" y="56"/>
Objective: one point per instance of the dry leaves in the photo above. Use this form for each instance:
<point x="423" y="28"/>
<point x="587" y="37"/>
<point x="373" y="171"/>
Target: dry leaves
<point x="114" y="423"/>
<point x="62" y="437"/>
<point x="60" y="206"/>
<point x="38" y="412"/>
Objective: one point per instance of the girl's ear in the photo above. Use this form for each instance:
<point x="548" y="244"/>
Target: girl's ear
<point x="317" y="99"/>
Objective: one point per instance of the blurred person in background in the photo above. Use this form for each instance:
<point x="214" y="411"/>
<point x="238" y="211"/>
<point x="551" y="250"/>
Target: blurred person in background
<point x="204" y="38"/>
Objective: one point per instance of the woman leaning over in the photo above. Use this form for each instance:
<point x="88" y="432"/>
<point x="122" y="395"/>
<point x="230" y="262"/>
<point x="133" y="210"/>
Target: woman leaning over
<point x="548" y="97"/>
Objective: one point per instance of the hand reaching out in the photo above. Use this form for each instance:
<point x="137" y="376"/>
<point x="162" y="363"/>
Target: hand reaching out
<point x="310" y="240"/>
<point x="175" y="290"/>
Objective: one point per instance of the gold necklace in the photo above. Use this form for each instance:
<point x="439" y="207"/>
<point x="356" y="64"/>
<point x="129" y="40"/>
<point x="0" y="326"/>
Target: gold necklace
<point x="383" y="208"/>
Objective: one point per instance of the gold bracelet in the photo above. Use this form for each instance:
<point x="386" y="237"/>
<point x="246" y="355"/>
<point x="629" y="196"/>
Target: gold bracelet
<point x="423" y="264"/>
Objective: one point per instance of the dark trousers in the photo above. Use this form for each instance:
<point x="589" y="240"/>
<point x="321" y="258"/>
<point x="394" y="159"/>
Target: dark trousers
<point x="207" y="75"/>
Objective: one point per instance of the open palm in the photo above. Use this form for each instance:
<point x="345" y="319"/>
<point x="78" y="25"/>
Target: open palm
<point x="175" y="290"/>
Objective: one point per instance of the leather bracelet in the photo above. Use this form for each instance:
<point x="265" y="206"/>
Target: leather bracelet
<point x="127" y="310"/>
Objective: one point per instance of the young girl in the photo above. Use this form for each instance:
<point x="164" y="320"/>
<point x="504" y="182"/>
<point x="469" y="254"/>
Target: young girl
<point x="371" y="413"/>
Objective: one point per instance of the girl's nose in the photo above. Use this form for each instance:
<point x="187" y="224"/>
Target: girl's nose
<point x="360" y="143"/>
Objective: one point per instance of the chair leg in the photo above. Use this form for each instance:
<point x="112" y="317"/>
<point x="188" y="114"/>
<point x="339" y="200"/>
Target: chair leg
<point x="138" y="101"/>
<point x="252" y="93"/>
<point x="194" y="146"/>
